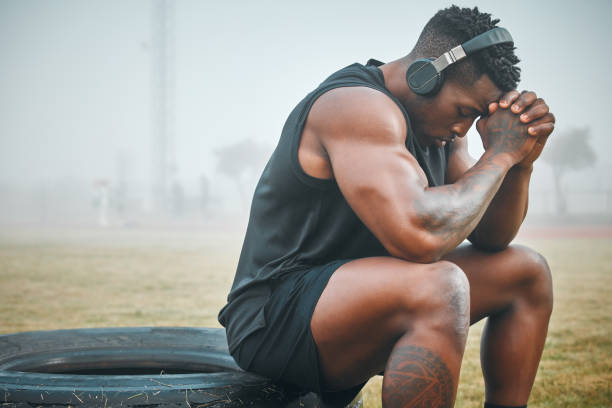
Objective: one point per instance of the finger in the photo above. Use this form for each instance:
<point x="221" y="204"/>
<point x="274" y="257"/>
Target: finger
<point x="539" y="145"/>
<point x="542" y="129"/>
<point x="542" y="139"/>
<point x="508" y="98"/>
<point x="493" y="107"/>
<point x="537" y="128"/>
<point x="549" y="117"/>
<point x="537" y="148"/>
<point x="524" y="100"/>
<point x="536" y="111"/>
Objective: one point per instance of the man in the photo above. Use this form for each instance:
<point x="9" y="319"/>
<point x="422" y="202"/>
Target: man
<point x="351" y="264"/>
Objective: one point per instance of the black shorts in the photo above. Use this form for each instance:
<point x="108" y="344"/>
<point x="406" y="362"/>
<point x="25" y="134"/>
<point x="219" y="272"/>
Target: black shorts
<point x="284" y="350"/>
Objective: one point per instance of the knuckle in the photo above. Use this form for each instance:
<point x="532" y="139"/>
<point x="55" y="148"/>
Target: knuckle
<point x="525" y="94"/>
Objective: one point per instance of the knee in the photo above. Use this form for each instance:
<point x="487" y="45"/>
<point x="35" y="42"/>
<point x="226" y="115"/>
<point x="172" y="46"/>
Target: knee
<point x="536" y="278"/>
<point x="451" y="296"/>
<point x="443" y="301"/>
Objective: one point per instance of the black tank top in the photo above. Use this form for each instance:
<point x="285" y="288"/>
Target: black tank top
<point x="298" y="221"/>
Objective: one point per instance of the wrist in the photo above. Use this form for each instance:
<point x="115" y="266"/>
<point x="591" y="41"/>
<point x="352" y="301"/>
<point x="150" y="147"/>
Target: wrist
<point x="524" y="167"/>
<point x="501" y="158"/>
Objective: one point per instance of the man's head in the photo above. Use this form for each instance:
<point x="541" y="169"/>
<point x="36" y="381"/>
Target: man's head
<point x="453" y="26"/>
<point x="470" y="85"/>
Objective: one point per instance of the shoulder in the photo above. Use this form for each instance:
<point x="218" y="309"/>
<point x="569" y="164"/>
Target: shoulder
<point x="357" y="111"/>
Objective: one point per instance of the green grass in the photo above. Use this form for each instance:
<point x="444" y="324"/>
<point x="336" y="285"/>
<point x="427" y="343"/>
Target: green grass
<point x="55" y="279"/>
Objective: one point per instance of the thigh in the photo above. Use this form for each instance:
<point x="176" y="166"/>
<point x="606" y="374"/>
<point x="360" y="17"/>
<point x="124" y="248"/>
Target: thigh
<point x="497" y="279"/>
<point x="363" y="311"/>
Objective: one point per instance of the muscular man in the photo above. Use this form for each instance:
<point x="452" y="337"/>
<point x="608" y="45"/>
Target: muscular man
<point x="352" y="263"/>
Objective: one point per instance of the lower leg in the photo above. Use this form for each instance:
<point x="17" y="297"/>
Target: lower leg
<point x="513" y="288"/>
<point x="511" y="348"/>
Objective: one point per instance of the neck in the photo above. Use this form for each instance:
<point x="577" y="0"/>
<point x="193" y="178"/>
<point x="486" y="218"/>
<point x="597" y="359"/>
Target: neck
<point x="394" y="73"/>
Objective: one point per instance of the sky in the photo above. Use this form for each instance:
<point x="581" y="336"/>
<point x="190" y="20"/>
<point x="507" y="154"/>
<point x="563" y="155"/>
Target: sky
<point x="75" y="75"/>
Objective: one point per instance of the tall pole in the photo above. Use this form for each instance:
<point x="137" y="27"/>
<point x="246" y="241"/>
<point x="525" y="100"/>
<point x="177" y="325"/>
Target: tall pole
<point x="162" y="102"/>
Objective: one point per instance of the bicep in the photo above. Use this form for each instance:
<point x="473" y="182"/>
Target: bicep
<point x="381" y="183"/>
<point x="363" y="133"/>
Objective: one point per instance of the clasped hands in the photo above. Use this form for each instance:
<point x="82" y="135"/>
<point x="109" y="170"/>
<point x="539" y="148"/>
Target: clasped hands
<point x="533" y="113"/>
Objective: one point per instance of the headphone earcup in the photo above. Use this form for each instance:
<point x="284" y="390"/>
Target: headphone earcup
<point x="423" y="78"/>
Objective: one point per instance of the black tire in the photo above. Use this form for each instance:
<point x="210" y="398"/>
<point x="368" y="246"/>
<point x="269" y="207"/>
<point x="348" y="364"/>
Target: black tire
<point x="187" y="367"/>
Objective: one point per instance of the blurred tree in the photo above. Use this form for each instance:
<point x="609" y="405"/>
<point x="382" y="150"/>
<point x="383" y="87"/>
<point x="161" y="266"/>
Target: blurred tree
<point x="242" y="162"/>
<point x="568" y="150"/>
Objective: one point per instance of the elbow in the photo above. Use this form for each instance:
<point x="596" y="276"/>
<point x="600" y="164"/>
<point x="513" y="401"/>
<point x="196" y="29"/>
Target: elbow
<point x="489" y="247"/>
<point x="490" y="242"/>
<point x="420" y="247"/>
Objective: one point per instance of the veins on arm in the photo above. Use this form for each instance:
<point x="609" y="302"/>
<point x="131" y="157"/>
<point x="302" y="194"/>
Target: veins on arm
<point x="451" y="212"/>
<point x="504" y="214"/>
<point x="364" y="134"/>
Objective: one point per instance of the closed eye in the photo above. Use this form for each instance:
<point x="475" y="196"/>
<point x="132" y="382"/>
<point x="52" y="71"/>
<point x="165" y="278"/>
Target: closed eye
<point x="468" y="113"/>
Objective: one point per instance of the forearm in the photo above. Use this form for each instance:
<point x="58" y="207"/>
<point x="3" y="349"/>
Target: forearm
<point x="506" y="213"/>
<point x="450" y="213"/>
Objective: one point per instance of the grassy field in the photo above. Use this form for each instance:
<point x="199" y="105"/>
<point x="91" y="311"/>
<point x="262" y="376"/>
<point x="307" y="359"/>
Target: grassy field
<point x="59" y="279"/>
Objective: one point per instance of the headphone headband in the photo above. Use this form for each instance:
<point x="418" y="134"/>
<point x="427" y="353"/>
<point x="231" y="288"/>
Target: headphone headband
<point x="498" y="35"/>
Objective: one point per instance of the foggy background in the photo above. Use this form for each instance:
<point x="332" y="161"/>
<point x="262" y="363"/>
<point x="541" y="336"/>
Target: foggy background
<point x="128" y="113"/>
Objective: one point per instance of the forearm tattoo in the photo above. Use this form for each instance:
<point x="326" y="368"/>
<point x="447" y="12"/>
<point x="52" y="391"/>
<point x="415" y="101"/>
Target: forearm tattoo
<point x="453" y="210"/>
<point x="417" y="378"/>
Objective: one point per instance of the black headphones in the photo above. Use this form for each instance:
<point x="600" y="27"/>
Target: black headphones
<point x="425" y="76"/>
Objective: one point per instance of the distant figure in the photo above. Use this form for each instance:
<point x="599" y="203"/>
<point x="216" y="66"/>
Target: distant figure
<point x="352" y="264"/>
<point x="101" y="201"/>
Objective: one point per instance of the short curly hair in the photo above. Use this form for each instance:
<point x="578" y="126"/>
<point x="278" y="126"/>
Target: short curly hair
<point x="453" y="26"/>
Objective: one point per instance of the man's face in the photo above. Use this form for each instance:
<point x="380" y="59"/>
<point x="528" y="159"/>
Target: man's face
<point x="435" y="120"/>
